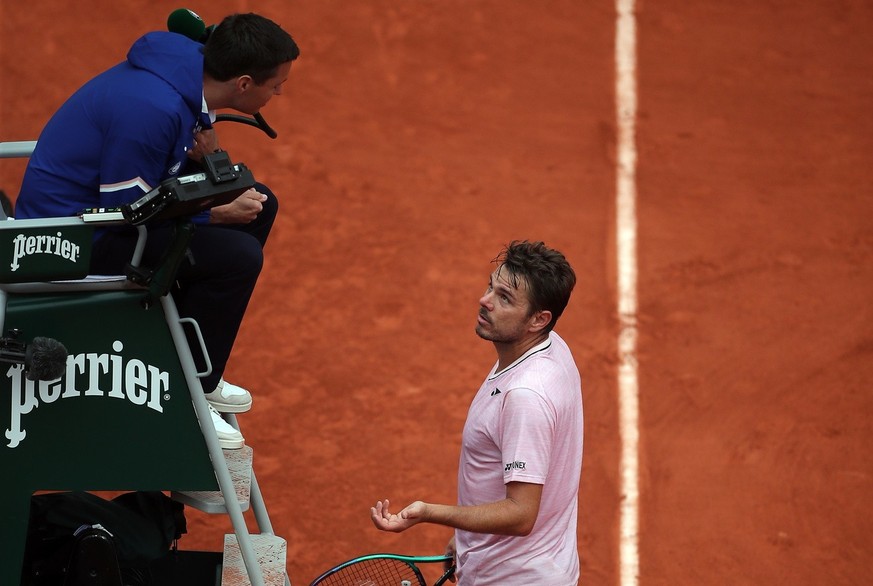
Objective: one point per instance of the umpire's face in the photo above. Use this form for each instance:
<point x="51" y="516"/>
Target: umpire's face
<point x="251" y="97"/>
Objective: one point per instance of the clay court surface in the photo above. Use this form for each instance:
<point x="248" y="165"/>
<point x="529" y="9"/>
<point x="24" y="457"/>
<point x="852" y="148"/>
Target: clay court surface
<point x="416" y="137"/>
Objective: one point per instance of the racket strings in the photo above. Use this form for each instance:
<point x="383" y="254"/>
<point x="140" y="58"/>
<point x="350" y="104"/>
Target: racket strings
<point x="375" y="572"/>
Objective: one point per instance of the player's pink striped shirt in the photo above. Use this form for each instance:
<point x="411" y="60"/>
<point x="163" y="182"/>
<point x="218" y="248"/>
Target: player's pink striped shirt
<point x="525" y="424"/>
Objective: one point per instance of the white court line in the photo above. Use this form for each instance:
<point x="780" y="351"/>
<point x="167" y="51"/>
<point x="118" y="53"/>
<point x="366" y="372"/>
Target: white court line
<point x="626" y="254"/>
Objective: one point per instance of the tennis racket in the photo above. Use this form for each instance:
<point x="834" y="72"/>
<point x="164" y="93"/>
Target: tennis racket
<point x="383" y="569"/>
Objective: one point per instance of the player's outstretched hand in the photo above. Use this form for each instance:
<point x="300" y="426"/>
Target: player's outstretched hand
<point x="395" y="523"/>
<point x="242" y="210"/>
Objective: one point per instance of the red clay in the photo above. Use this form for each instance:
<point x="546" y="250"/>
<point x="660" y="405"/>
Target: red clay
<point x="415" y="138"/>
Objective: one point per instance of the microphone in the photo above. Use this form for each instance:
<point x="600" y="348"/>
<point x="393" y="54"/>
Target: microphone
<point x="187" y="22"/>
<point x="43" y="358"/>
<point x="262" y="124"/>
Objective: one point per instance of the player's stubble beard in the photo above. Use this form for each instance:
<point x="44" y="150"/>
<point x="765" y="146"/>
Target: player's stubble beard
<point x="495" y="335"/>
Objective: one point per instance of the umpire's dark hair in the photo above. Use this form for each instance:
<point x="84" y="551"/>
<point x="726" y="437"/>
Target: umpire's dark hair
<point x="550" y="278"/>
<point x="247" y="44"/>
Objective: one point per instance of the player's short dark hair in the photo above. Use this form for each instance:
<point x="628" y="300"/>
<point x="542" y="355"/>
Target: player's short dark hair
<point x="549" y="277"/>
<point x="247" y="44"/>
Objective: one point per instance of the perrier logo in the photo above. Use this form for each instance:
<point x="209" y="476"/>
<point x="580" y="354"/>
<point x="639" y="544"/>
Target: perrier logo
<point x="25" y="246"/>
<point x="101" y="375"/>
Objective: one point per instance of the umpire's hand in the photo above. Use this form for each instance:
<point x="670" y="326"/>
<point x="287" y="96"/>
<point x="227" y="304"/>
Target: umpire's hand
<point x="205" y="142"/>
<point x="242" y="210"/>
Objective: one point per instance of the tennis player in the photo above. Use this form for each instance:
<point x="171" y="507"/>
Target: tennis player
<point x="521" y="455"/>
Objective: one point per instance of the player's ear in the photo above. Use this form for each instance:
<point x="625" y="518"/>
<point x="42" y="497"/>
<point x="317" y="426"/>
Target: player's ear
<point x="540" y="319"/>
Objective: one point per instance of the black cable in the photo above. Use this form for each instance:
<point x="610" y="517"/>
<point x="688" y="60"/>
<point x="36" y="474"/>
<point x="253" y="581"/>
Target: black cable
<point x="257" y="121"/>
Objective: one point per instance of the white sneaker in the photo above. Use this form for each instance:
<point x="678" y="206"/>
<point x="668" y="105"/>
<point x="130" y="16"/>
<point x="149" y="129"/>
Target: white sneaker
<point x="229" y="398"/>
<point x="229" y="438"/>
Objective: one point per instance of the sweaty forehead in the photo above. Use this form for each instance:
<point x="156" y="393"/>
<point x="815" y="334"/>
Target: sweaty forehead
<point x="508" y="279"/>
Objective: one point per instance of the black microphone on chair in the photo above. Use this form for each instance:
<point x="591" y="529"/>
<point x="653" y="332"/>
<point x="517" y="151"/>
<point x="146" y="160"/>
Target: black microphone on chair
<point x="43" y="359"/>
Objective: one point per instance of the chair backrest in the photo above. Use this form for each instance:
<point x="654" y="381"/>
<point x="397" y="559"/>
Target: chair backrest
<point x="44" y="249"/>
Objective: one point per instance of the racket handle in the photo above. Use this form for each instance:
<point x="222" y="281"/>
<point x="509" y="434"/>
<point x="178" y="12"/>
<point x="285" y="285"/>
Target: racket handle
<point x="450" y="573"/>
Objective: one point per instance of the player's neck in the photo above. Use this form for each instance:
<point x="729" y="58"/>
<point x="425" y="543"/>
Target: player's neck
<point x="509" y="352"/>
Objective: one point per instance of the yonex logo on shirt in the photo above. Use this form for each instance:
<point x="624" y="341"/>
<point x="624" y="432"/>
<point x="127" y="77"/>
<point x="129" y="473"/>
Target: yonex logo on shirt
<point x="514" y="466"/>
<point x="495" y="392"/>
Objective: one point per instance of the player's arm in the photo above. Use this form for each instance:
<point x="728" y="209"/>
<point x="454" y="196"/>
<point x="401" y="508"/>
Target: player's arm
<point x="514" y="515"/>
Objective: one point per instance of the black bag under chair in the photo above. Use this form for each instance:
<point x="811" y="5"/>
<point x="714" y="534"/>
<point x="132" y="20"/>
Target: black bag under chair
<point x="93" y="560"/>
<point x="80" y="539"/>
